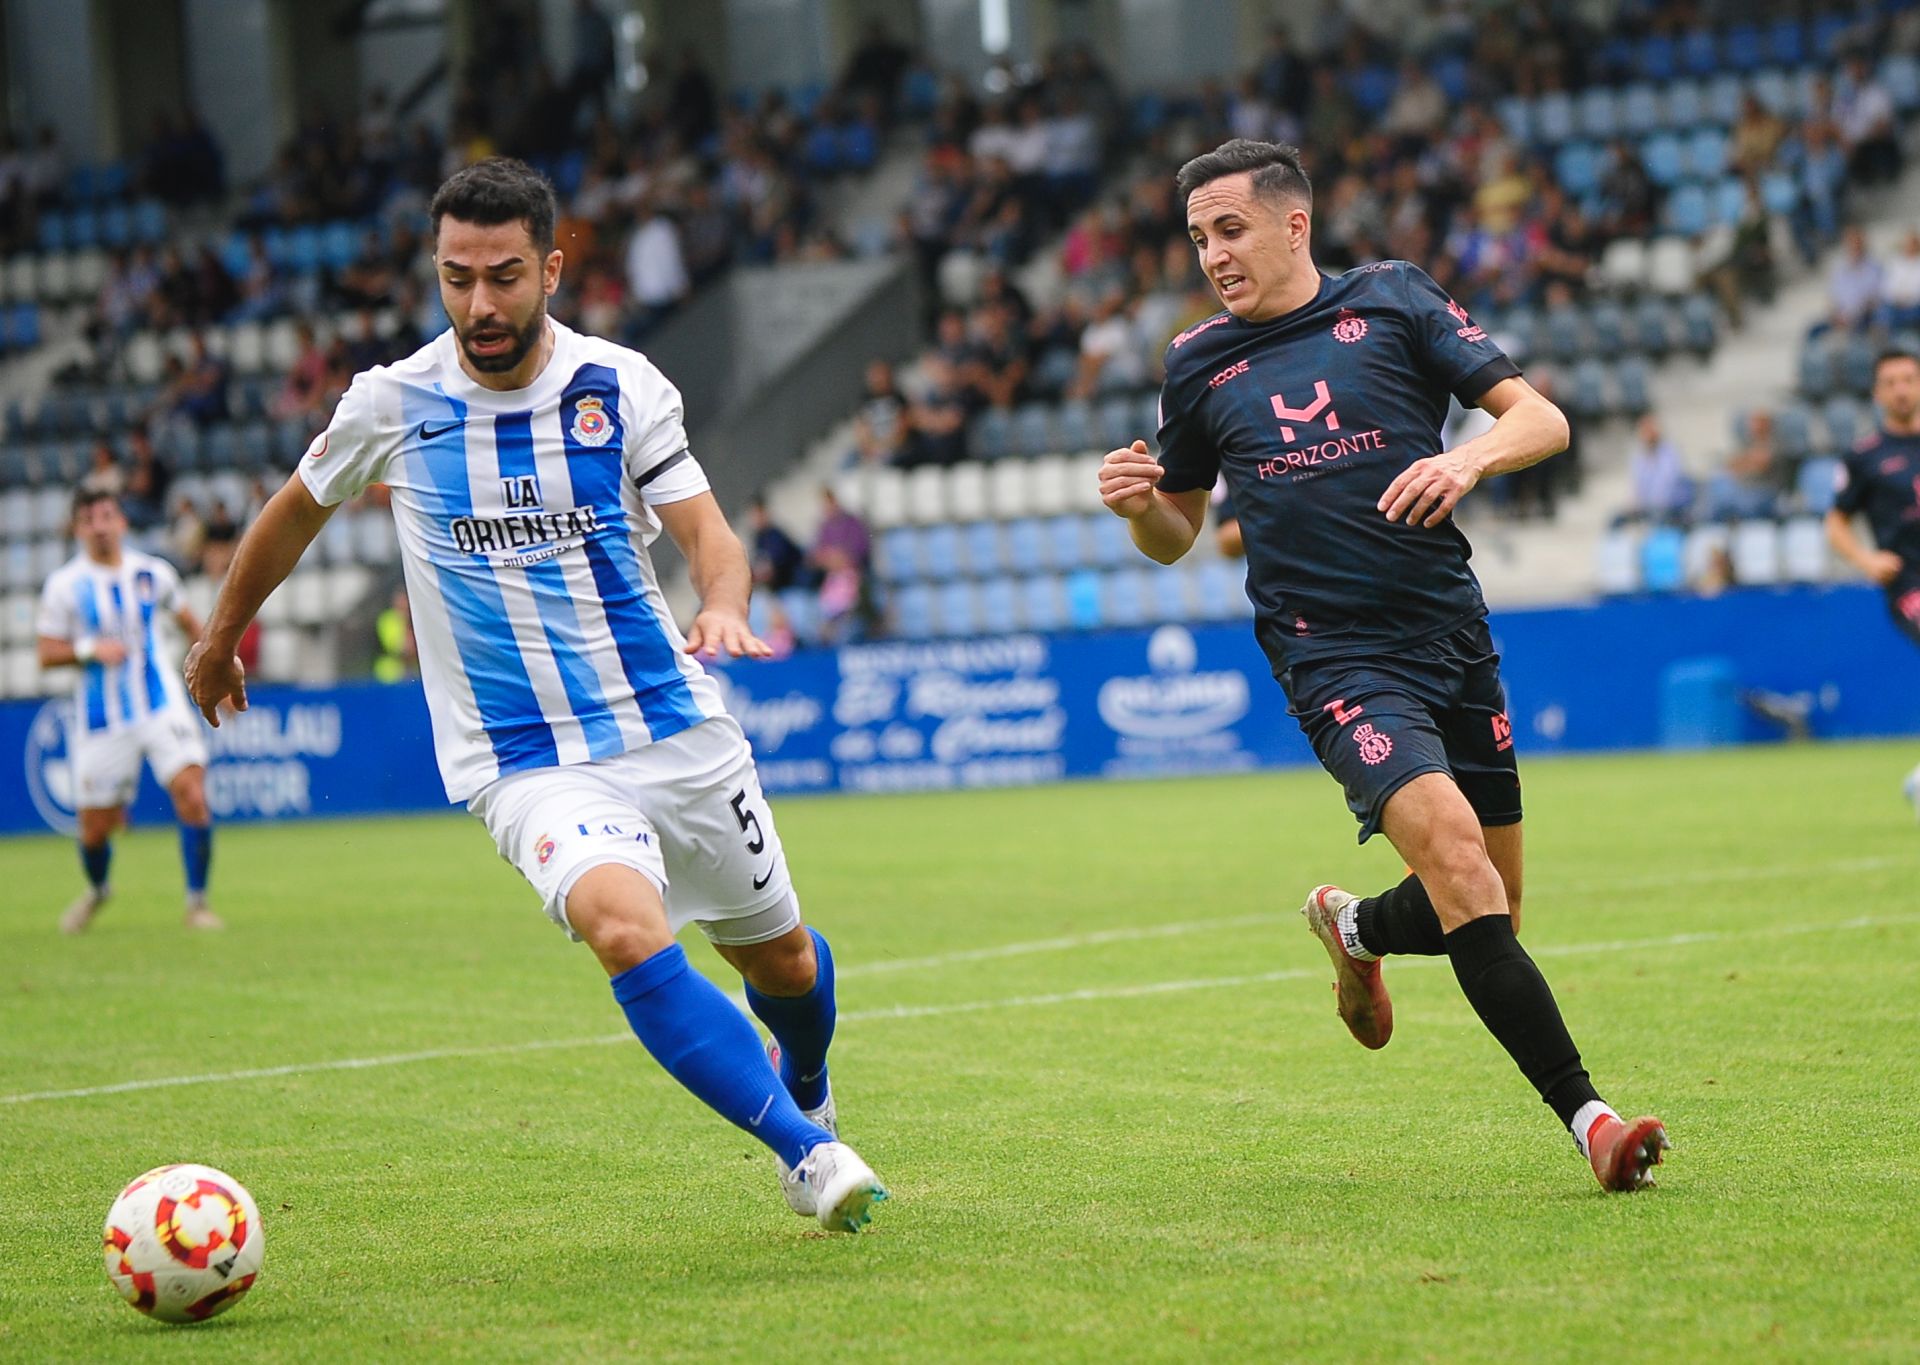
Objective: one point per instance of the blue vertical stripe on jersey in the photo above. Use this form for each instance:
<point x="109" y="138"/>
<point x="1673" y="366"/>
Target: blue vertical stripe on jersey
<point x="121" y="670"/>
<point x="96" y="673"/>
<point x="509" y="711"/>
<point x="156" y="689"/>
<point x="513" y="441"/>
<point x="647" y="655"/>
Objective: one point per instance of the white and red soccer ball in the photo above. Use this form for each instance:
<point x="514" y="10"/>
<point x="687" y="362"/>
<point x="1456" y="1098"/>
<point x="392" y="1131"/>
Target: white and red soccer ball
<point x="183" y="1243"/>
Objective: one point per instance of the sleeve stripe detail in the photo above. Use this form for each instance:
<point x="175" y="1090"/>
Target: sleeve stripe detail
<point x="661" y="468"/>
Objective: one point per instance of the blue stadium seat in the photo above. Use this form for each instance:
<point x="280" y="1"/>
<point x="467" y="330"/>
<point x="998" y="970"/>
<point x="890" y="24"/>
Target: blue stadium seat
<point x="1454" y="74"/>
<point x="223" y="447"/>
<point x="1033" y="430"/>
<point x="940" y="551"/>
<point x="1223" y="589"/>
<point x="1683" y="106"/>
<point x="1819" y="374"/>
<point x="1843" y="418"/>
<point x="1688" y="211"/>
<point x="802" y="606"/>
<point x="1599" y="113"/>
<point x="1065" y="546"/>
<point x="1566" y="333"/>
<point x="1816" y="483"/>
<point x="1639" y="109"/>
<point x="1083" y="599"/>
<point x="1900" y="74"/>
<point x="913" y="611"/>
<point x="1793" y="431"/>
<point x="1123" y="598"/>
<point x="1730" y="201"/>
<point x="1659" y="59"/>
<point x="999" y="606"/>
<point x="256" y="446"/>
<point x="1608" y="322"/>
<point x="981" y="542"/>
<point x="1112" y="542"/>
<point x="53" y="232"/>
<point x="1553" y="118"/>
<point x="1663" y="560"/>
<point x="1578" y="167"/>
<point x="1073" y="424"/>
<point x="1026" y="546"/>
<point x="1631" y="381"/>
<point x="150" y="221"/>
<point x="1829" y="31"/>
<point x="1699" y="54"/>
<point x="859" y="146"/>
<point x="305" y="253"/>
<point x="1043" y="603"/>
<point x="1372" y="88"/>
<point x="1664" y="157"/>
<point x="820" y="150"/>
<point x="340" y="245"/>
<point x="1743" y="48"/>
<point x="1723" y="96"/>
<point x="956" y="611"/>
<point x="1700" y="323"/>
<point x="116" y="225"/>
<point x="1515" y="113"/>
<point x="1787" y="43"/>
<point x="1117" y="422"/>
<point x="898" y="554"/>
<point x="1779" y="192"/>
<point x="1856" y="365"/>
<point x="1707" y="154"/>
<point x="920" y="91"/>
<point x="1167" y="594"/>
<point x="992" y="434"/>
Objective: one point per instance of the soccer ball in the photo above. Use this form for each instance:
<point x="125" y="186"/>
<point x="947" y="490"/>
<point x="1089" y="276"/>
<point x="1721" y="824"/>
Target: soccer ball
<point x="183" y="1242"/>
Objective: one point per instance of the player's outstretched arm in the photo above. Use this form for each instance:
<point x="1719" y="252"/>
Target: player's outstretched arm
<point x="1527" y="428"/>
<point x="1164" y="525"/>
<point x="721" y="576"/>
<point x="265" y="556"/>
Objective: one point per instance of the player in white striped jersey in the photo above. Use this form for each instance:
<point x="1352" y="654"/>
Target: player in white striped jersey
<point x="102" y="610"/>
<point x="529" y="468"/>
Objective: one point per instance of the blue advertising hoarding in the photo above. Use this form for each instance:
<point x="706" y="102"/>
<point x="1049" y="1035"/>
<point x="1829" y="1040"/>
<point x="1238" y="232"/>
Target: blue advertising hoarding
<point x="1018" y="709"/>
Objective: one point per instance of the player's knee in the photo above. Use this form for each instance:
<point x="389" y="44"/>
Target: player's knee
<point x="785" y="966"/>
<point x="97" y="826"/>
<point x="1460" y="873"/>
<point x="617" y="912"/>
<point x="190" y="804"/>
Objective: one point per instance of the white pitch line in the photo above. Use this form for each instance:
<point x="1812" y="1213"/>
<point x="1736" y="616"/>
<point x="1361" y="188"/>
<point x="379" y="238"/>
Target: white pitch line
<point x="1066" y="943"/>
<point x="1092" y="993"/>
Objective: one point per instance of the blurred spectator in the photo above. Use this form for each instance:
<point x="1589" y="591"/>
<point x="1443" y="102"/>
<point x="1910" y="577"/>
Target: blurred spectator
<point x="779" y="635"/>
<point x="104" y="471"/>
<point x="840" y="553"/>
<point x="1749" y="482"/>
<point x="880" y="428"/>
<point x="1853" y="287"/>
<point x="878" y="66"/>
<point x="305" y="390"/>
<point x="1864" y="112"/>
<point x="842" y="535"/>
<point x="1661" y="489"/>
<point x="777" y="560"/>
<point x="656" y="272"/>
<point x="186" y="536"/>
<point x="937" y="419"/>
<point x="596" y="51"/>
<point x="399" y="656"/>
<point x="1756" y="138"/>
<point x="1111" y="356"/>
<point x="197" y="390"/>
<point x="148" y="482"/>
<point x="1900" y="287"/>
<point x="221" y="533"/>
<point x="996" y="370"/>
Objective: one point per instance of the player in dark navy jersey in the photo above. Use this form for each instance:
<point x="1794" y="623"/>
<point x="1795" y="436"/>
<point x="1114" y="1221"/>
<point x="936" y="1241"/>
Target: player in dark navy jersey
<point x="1880" y="480"/>
<point x="1321" y="401"/>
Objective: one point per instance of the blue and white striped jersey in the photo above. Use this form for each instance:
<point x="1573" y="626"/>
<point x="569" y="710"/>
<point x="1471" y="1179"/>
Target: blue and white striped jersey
<point x="524" y="522"/>
<point x="83" y="600"/>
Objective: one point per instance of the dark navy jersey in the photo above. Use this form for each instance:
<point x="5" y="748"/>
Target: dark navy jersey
<point x="1310" y="416"/>
<point x="1881" y="478"/>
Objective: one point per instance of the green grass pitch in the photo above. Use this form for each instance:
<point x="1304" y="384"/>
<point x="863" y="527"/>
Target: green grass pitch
<point x="1087" y="1041"/>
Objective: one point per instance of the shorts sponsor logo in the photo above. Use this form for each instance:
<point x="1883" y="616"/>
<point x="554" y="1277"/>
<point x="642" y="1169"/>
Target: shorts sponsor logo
<point x="543" y="848"/>
<point x="1375" y="748"/>
<point x="1502" y="733"/>
<point x="1349" y="327"/>
<point x="1338" y="709"/>
<point x="591" y="425"/>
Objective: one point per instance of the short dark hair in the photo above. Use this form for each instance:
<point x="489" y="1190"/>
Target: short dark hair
<point x="1890" y="354"/>
<point x="87" y="494"/>
<point x="500" y="189"/>
<point x="1276" y="168"/>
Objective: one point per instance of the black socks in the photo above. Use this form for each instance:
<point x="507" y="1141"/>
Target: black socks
<point x="1513" y="1000"/>
<point x="1401" y="920"/>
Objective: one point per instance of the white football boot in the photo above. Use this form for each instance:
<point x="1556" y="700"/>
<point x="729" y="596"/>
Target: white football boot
<point x="793" y="1185"/>
<point x="76" y="917"/>
<point x="843" y="1187"/>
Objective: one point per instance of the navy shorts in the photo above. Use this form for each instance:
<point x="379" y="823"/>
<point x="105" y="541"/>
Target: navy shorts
<point x="1378" y="721"/>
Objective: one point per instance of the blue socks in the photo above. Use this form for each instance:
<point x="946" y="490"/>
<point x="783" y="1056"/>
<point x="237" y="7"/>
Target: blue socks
<point x="707" y="1045"/>
<point x="196" y="852"/>
<point x="96" y="861"/>
<point x="803" y="1026"/>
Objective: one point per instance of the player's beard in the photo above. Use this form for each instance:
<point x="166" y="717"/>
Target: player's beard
<point x="524" y="340"/>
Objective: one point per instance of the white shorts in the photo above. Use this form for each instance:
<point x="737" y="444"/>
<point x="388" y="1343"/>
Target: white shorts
<point x="106" y="767"/>
<point x="687" y="813"/>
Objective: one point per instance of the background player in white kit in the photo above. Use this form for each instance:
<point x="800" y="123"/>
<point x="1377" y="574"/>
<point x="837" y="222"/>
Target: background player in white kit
<point x="102" y="610"/>
<point x="529" y="467"/>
